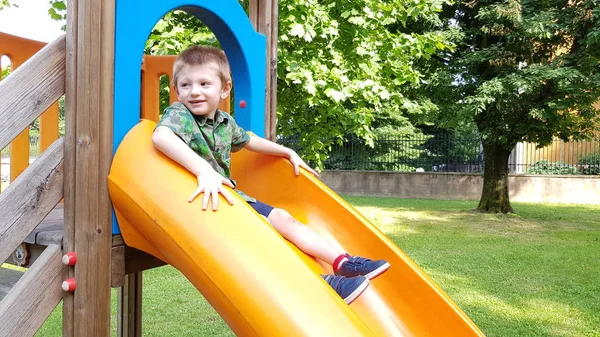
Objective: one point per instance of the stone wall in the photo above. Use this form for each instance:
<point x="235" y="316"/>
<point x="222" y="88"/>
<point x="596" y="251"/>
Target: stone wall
<point x="456" y="186"/>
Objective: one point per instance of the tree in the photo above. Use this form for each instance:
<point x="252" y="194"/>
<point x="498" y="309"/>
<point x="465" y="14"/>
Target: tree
<point x="523" y="70"/>
<point x="344" y="65"/>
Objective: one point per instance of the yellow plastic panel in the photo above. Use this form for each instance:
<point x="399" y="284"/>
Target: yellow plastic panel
<point x="257" y="281"/>
<point x="253" y="277"/>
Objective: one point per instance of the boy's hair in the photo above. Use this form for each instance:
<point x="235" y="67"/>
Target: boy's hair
<point x="201" y="55"/>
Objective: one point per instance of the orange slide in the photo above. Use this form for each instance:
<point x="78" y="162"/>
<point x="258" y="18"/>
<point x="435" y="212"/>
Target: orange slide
<point x="258" y="282"/>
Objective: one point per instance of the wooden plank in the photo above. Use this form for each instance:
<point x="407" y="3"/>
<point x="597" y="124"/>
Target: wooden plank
<point x="264" y="17"/>
<point x="88" y="217"/>
<point x="271" y="110"/>
<point x="136" y="261"/>
<point x="253" y="8"/>
<point x="70" y="156"/>
<point x="52" y="222"/>
<point x="8" y="278"/>
<point x="33" y="297"/>
<point x="117" y="269"/>
<point x="47" y="238"/>
<point x="129" y="317"/>
<point x="23" y="96"/>
<point x="30" y="198"/>
<point x="127" y="260"/>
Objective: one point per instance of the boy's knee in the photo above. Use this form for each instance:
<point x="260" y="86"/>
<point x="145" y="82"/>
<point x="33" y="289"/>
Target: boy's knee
<point x="279" y="215"/>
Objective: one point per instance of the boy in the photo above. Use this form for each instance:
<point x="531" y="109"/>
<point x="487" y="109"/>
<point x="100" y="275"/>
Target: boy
<point x="195" y="134"/>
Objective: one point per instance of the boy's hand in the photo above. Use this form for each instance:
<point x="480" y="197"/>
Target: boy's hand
<point x="211" y="184"/>
<point x="299" y="162"/>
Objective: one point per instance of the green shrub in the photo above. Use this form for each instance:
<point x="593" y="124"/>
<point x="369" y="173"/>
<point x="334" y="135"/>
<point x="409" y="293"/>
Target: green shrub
<point x="546" y="167"/>
<point x="589" y="164"/>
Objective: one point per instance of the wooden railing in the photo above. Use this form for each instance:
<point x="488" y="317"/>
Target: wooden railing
<point x="18" y="50"/>
<point x="24" y="96"/>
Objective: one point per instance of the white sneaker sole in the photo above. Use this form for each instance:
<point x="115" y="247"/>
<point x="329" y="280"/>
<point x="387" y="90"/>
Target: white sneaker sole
<point x="378" y="271"/>
<point x="363" y="286"/>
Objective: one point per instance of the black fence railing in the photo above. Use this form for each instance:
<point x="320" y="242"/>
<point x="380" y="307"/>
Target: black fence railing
<point x="460" y="155"/>
<point x="406" y="154"/>
<point x="442" y="154"/>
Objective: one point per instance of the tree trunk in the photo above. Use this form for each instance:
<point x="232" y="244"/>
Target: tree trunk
<point x="494" y="197"/>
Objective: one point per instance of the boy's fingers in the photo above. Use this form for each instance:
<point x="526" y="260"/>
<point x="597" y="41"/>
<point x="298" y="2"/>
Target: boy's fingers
<point x="314" y="173"/>
<point x="205" y="200"/>
<point x="215" y="199"/>
<point x="195" y="194"/>
<point x="310" y="169"/>
<point x="227" y="196"/>
<point x="228" y="183"/>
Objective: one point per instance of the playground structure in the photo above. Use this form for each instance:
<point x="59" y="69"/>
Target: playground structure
<point x="90" y="65"/>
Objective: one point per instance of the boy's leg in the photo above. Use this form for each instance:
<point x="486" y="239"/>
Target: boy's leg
<point x="313" y="244"/>
<point x="348" y="288"/>
<point x="304" y="237"/>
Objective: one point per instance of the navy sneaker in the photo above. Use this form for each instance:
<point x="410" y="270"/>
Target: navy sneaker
<point x="349" y="288"/>
<point x="357" y="265"/>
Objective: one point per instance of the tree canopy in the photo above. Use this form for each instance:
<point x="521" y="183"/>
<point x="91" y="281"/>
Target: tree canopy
<point x="343" y="66"/>
<point x="523" y="70"/>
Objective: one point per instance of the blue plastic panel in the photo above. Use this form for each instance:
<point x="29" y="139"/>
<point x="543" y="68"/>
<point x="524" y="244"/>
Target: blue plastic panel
<point x="245" y="50"/>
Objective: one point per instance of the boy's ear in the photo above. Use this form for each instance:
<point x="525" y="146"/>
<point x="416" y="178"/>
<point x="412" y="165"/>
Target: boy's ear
<point x="226" y="90"/>
<point x="174" y="88"/>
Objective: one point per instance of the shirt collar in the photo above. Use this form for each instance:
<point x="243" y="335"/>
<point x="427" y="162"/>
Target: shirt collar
<point x="220" y="117"/>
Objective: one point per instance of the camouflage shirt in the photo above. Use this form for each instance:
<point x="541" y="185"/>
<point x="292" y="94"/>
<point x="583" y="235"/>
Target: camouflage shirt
<point x="213" y="140"/>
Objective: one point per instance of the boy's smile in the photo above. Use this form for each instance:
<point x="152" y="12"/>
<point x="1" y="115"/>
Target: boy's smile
<point x="200" y="89"/>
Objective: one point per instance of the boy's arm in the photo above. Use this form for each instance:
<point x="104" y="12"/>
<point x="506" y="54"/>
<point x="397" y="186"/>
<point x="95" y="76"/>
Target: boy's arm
<point x="261" y="145"/>
<point x="209" y="181"/>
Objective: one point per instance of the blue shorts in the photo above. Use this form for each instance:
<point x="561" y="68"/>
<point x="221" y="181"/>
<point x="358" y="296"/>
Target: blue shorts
<point x="262" y="208"/>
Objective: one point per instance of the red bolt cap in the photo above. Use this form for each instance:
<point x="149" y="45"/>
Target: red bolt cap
<point x="242" y="104"/>
<point x="69" y="259"/>
<point x="69" y="284"/>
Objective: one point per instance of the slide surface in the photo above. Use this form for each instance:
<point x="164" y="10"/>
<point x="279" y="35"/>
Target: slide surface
<point x="257" y="281"/>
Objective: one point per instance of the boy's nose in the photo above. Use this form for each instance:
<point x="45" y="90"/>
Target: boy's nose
<point x="195" y="91"/>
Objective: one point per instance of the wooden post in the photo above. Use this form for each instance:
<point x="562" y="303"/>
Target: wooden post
<point x="88" y="152"/>
<point x="264" y="15"/>
<point x="129" y="319"/>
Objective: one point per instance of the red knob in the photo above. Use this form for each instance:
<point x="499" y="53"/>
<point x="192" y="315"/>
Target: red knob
<point x="69" y="284"/>
<point x="242" y="104"/>
<point x="69" y="259"/>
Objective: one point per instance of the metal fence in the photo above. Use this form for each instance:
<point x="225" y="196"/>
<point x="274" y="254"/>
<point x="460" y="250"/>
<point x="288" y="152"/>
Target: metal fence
<point x="460" y="155"/>
<point x="445" y="154"/>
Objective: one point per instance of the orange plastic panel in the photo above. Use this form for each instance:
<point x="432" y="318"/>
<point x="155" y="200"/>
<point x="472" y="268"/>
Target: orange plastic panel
<point x="254" y="279"/>
<point x="19" y="154"/>
<point x="261" y="284"/>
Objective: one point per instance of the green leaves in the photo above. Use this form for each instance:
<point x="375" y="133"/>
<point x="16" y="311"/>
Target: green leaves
<point x="342" y="63"/>
<point x="58" y="10"/>
<point x="524" y="70"/>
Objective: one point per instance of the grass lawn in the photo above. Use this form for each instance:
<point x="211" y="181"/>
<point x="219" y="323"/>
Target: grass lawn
<point x="535" y="273"/>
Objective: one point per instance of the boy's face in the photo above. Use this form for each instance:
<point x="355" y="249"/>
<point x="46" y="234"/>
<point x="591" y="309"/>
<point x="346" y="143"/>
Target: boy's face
<point x="201" y="90"/>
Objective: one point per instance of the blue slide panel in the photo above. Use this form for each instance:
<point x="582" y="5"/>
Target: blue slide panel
<point x="245" y="50"/>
